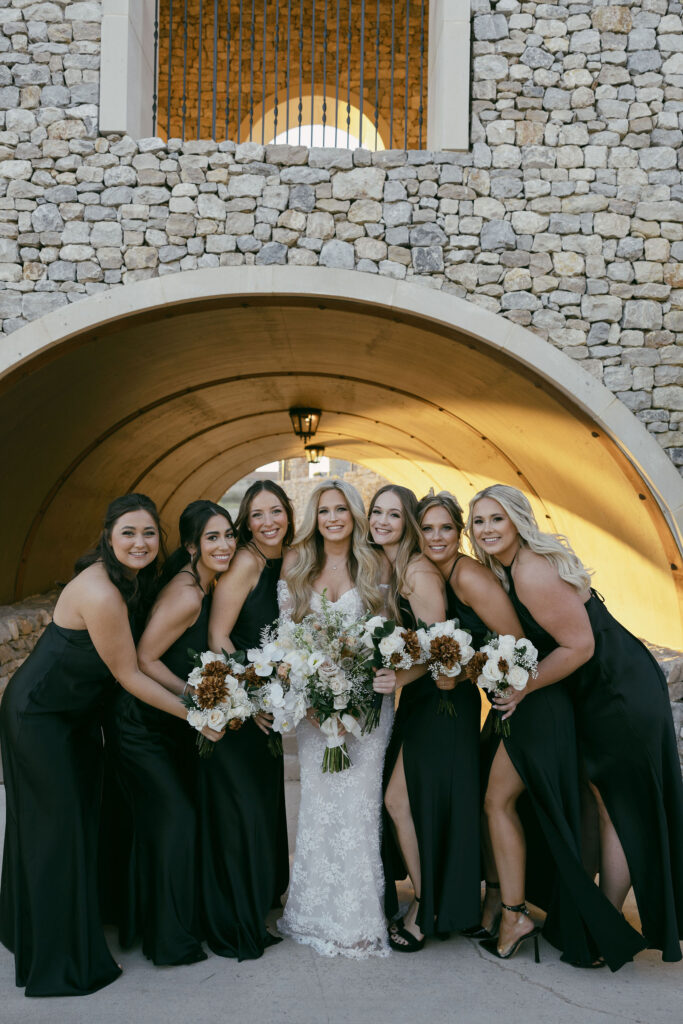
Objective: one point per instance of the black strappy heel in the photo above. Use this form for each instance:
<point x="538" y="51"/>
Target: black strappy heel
<point x="491" y="945"/>
<point x="479" y="932"/>
<point x="410" y="944"/>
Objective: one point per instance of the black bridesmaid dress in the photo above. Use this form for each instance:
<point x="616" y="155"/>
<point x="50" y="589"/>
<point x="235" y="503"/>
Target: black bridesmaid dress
<point x="441" y="763"/>
<point x="157" y="762"/>
<point x="627" y="743"/>
<point x="244" y="855"/>
<point x="50" y="729"/>
<point x="542" y="746"/>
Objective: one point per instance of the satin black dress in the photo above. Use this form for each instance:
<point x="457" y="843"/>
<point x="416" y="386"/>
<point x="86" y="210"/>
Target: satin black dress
<point x="542" y="746"/>
<point x="244" y="854"/>
<point x="158" y="766"/>
<point x="441" y="764"/>
<point x="627" y="743"/>
<point x="50" y="729"/>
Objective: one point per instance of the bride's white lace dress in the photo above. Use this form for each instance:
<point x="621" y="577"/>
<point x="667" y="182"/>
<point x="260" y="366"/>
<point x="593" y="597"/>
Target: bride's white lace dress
<point x="336" y="891"/>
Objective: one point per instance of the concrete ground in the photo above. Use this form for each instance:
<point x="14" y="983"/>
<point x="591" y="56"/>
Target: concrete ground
<point x="448" y="981"/>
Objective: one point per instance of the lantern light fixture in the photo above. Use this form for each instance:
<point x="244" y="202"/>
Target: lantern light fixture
<point x="314" y="452"/>
<point x="305" y="422"/>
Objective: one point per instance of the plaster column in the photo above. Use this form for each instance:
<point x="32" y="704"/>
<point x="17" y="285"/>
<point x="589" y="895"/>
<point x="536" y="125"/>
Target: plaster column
<point x="448" y="125"/>
<point x="127" y="68"/>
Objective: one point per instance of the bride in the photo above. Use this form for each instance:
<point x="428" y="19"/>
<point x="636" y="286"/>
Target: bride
<point x="336" y="893"/>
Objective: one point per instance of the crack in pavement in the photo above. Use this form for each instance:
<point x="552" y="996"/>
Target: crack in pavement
<point x="547" y="988"/>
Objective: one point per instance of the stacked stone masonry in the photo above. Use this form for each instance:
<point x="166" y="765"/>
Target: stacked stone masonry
<point x="565" y="216"/>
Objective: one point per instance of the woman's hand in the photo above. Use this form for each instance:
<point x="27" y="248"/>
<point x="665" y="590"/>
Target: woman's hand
<point x="263" y="721"/>
<point x="384" y="681"/>
<point x="212" y="735"/>
<point x="507" y="703"/>
<point x="312" y="718"/>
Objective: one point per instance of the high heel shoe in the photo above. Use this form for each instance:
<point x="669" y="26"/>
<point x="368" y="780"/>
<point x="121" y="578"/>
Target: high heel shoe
<point x="491" y="945"/>
<point x="479" y="932"/>
<point x="410" y="944"/>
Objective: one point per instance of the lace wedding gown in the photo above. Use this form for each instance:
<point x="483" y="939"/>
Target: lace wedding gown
<point x="336" y="892"/>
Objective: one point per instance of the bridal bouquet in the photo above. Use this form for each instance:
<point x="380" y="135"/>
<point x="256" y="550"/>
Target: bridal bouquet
<point x="445" y="650"/>
<point x="329" y="666"/>
<point x="217" y="698"/>
<point x="393" y="646"/>
<point x="503" y="663"/>
<point x="276" y="682"/>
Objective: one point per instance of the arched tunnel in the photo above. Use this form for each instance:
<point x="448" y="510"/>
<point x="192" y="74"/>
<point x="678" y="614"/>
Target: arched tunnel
<point x="179" y="386"/>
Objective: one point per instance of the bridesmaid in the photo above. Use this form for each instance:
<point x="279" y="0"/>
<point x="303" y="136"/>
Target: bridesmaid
<point x="245" y="859"/>
<point x="432" y="764"/>
<point x="623" y="716"/>
<point x="52" y="758"/>
<point x="478" y="601"/>
<point x="157" y="756"/>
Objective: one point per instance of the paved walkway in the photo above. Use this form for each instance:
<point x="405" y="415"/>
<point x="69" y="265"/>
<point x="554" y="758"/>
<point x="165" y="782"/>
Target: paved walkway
<point x="447" y="981"/>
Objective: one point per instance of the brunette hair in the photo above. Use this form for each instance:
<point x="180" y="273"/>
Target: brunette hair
<point x="137" y="591"/>
<point x="191" y="525"/>
<point x="410" y="544"/>
<point x="242" y="531"/>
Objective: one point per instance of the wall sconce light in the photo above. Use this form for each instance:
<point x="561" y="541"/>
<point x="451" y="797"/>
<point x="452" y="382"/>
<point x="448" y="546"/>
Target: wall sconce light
<point x="314" y="452"/>
<point x="305" y="422"/>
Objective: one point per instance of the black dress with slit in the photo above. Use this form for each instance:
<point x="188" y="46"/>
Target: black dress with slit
<point x="244" y="865"/>
<point x="627" y="743"/>
<point x="158" y="765"/>
<point x="542" y="746"/>
<point x="50" y="730"/>
<point x="441" y="764"/>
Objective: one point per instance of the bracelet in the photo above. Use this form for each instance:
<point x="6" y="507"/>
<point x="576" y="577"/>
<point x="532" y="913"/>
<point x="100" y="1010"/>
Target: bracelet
<point x="184" y="689"/>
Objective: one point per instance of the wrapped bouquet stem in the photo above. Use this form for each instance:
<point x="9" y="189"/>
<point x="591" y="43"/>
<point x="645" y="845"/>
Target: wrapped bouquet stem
<point x="336" y="757"/>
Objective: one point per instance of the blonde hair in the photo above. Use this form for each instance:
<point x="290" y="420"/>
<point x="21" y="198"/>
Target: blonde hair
<point x="553" y="546"/>
<point x="308" y="546"/>
<point x="410" y="544"/>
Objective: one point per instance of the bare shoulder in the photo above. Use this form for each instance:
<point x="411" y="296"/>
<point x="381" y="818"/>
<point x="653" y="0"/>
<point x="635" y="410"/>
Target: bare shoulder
<point x="182" y="593"/>
<point x="533" y="569"/>
<point x="421" y="572"/>
<point x="90" y="594"/>
<point x="244" y="570"/>
<point x="471" y="578"/>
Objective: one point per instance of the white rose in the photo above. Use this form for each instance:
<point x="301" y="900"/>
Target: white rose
<point x="216" y="719"/>
<point x="315" y="660"/>
<point x="517" y="677"/>
<point x="341" y="700"/>
<point x="391" y="644"/>
<point x="208" y="656"/>
<point x="195" y="718"/>
<point x="195" y="677"/>
<point x="491" y="672"/>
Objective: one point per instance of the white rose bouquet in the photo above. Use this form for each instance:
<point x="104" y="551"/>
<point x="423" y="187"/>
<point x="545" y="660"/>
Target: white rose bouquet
<point x="393" y="646"/>
<point x="446" y="649"/>
<point x="216" y="697"/>
<point x="276" y="684"/>
<point x="502" y="663"/>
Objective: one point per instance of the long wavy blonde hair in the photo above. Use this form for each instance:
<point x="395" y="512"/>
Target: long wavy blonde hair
<point x="553" y="546"/>
<point x="410" y="545"/>
<point x="308" y="546"/>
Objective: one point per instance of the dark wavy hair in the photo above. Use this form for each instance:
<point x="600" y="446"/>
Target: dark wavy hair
<point x="191" y="526"/>
<point x="410" y="544"/>
<point x="137" y="591"/>
<point x="244" y="536"/>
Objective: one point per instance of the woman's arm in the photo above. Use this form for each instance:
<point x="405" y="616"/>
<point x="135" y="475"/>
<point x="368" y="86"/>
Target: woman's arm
<point x="559" y="609"/>
<point x="174" y="612"/>
<point x="230" y="594"/>
<point x="477" y="587"/>
<point x="427" y="598"/>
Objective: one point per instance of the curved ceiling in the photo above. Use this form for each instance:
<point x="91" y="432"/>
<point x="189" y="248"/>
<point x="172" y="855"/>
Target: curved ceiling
<point x="180" y="400"/>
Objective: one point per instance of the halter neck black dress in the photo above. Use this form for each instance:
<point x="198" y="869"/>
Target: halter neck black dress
<point x="441" y="764"/>
<point x="52" y="759"/>
<point x="542" y="746"/>
<point x="244" y="855"/>
<point x="628" y="745"/>
<point x="157" y="761"/>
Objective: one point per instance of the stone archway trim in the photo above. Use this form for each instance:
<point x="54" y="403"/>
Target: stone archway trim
<point x="36" y="341"/>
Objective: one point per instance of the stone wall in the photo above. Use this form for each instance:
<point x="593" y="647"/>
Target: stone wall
<point x="185" y="88"/>
<point x="20" y="627"/>
<point x="565" y="216"/>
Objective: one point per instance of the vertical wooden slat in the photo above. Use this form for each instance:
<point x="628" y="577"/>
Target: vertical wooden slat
<point x="420" y="113"/>
<point x="288" y="65"/>
<point x="239" y="75"/>
<point x="301" y="65"/>
<point x="170" y="69"/>
<point x="277" y="54"/>
<point x="263" y="74"/>
<point x="252" y="48"/>
<point x="362" y="72"/>
<point x="348" y="79"/>
<point x="324" y="117"/>
<point x="184" y="69"/>
<point x="227" y="70"/>
<point x="391" y="90"/>
<point x="155" y="96"/>
<point x="336" y="80"/>
<point x="377" y="73"/>
<point x="199" y="71"/>
<point x="215" y="69"/>
<point x="312" y="68"/>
